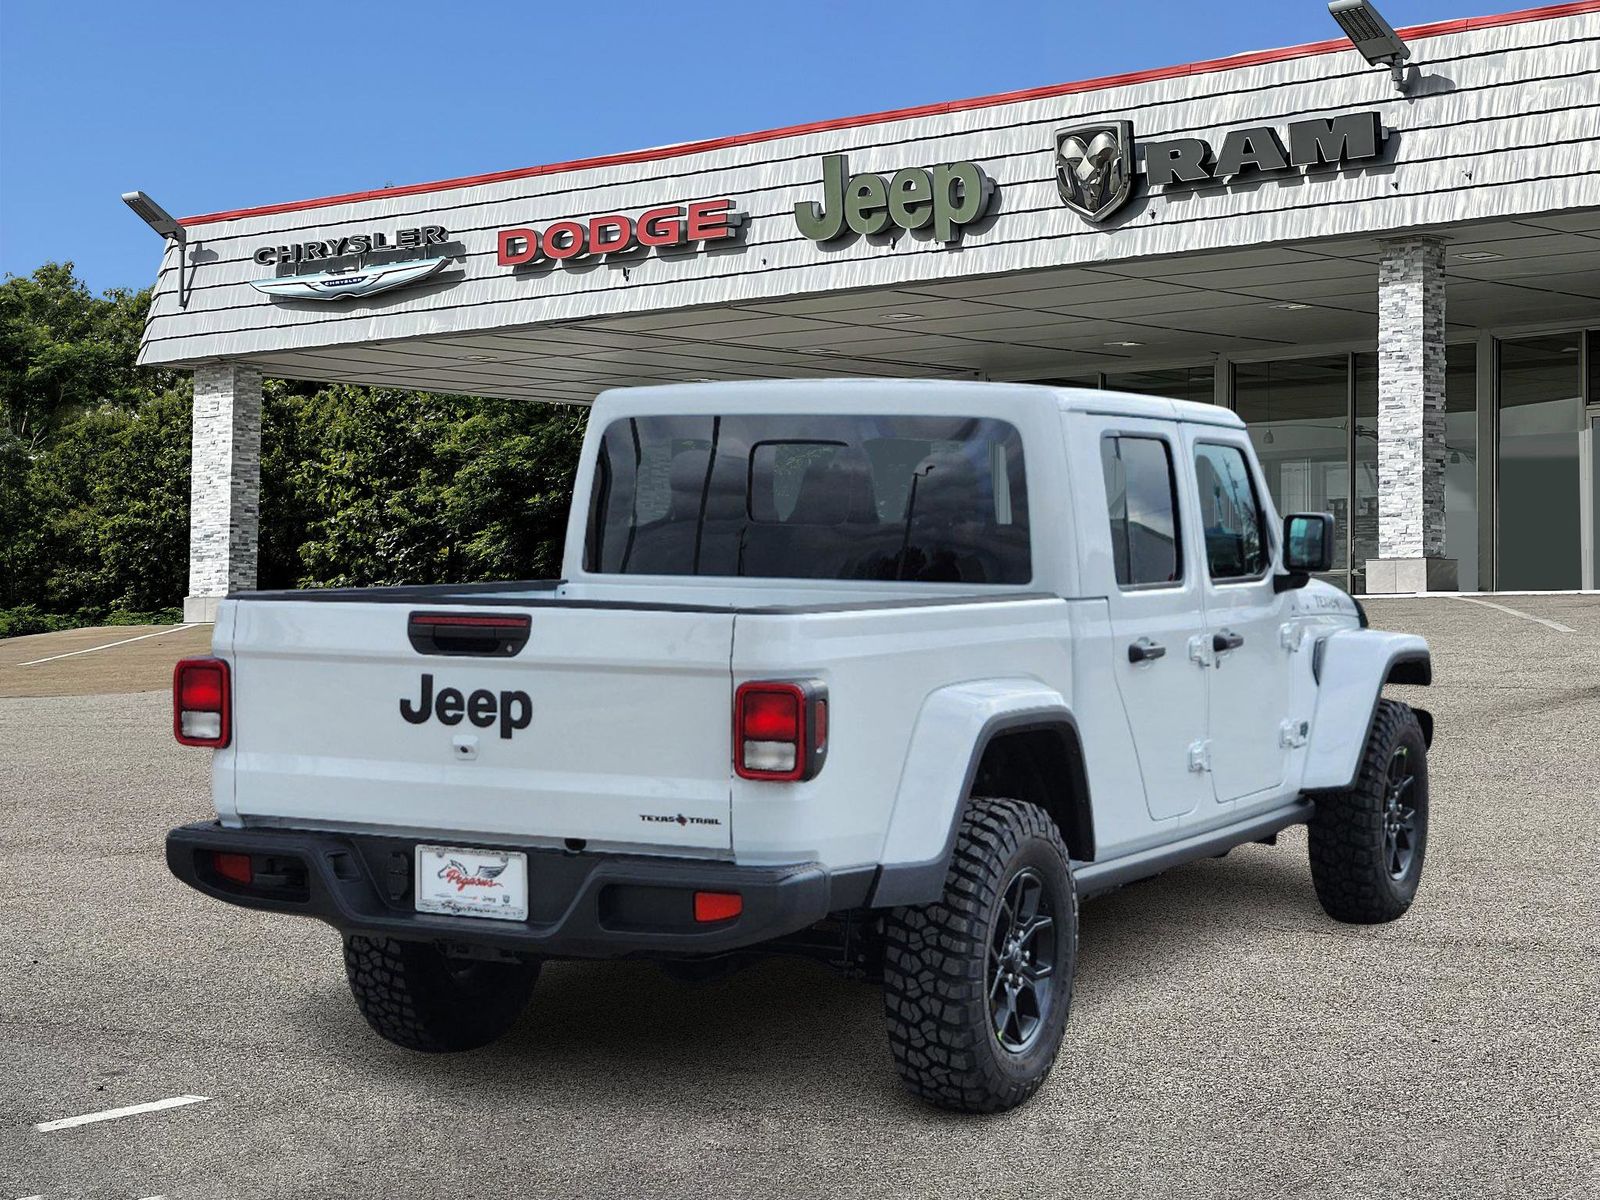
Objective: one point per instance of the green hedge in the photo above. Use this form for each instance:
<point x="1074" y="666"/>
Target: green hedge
<point x="26" y="619"/>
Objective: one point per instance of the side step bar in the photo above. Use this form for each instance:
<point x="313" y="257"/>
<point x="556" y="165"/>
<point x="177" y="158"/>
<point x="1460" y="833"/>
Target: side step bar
<point x="1093" y="878"/>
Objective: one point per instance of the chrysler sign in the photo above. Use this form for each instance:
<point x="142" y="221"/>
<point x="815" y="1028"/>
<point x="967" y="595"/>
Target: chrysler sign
<point x="1096" y="163"/>
<point x="348" y="267"/>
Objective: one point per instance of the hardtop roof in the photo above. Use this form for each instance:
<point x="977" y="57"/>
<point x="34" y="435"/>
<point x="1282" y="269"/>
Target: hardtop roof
<point x="899" y="396"/>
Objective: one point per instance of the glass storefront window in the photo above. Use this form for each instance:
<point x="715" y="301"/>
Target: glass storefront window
<point x="1077" y="381"/>
<point x="1175" y="383"/>
<point x="1594" y="500"/>
<point x="1593" y="398"/>
<point x="1538" y="543"/>
<point x="1298" y="412"/>
<point x="1364" y="498"/>
<point x="1461" y="463"/>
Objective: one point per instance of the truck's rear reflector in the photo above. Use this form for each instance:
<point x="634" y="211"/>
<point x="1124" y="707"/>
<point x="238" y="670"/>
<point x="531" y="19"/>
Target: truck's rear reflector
<point x="233" y="867"/>
<point x="780" y="730"/>
<point x="201" y="702"/>
<point x="717" y="906"/>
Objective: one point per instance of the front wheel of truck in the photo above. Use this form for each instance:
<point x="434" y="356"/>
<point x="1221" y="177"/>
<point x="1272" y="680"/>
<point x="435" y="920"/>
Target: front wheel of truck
<point x="1368" y="841"/>
<point x="977" y="984"/>
<point x="416" y="996"/>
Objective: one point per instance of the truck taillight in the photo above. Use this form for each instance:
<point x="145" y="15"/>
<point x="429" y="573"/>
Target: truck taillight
<point x="201" y="702"/>
<point x="780" y="730"/>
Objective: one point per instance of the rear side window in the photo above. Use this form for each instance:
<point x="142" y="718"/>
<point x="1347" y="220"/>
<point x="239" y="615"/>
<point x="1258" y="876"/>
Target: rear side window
<point x="924" y="499"/>
<point x="1230" y="513"/>
<point x="1142" y="497"/>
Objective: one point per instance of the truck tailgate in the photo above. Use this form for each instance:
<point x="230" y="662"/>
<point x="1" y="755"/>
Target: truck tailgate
<point x="625" y="741"/>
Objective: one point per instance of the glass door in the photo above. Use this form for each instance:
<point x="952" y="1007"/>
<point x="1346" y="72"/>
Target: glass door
<point x="1591" y="461"/>
<point x="1298" y="411"/>
<point x="1541" y="507"/>
<point x="1591" y="483"/>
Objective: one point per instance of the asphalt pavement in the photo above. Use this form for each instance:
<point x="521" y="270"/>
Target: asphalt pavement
<point x="1226" y="1039"/>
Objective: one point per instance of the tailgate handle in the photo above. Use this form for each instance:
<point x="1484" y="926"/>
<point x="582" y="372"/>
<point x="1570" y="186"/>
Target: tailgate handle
<point x="477" y="635"/>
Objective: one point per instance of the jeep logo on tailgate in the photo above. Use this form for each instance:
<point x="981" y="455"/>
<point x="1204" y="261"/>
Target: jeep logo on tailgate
<point x="514" y="710"/>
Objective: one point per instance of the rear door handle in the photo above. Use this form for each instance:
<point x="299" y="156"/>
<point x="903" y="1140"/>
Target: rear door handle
<point x="1226" y="640"/>
<point x="1144" y="650"/>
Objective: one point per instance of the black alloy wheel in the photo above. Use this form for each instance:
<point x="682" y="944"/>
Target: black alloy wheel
<point x="1022" y="961"/>
<point x="1399" y="815"/>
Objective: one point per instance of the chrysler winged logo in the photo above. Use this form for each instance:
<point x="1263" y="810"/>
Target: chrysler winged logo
<point x="1094" y="167"/>
<point x="337" y="285"/>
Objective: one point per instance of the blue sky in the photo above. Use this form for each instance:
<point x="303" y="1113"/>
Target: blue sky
<point x="210" y="106"/>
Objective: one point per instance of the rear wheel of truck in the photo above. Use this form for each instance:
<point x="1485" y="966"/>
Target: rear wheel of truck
<point x="1368" y="840"/>
<point x="416" y="996"/>
<point x="977" y="984"/>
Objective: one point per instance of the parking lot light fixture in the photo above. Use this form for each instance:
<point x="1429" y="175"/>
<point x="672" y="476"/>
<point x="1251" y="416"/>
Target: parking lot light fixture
<point x="164" y="223"/>
<point x="1372" y="36"/>
<point x="153" y="215"/>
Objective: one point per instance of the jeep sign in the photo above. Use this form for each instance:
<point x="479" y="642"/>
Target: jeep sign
<point x="947" y="197"/>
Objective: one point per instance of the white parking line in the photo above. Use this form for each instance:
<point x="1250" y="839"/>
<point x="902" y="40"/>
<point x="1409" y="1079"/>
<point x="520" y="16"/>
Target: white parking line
<point x="1556" y="625"/>
<point x="111" y="1114"/>
<point x="107" y="646"/>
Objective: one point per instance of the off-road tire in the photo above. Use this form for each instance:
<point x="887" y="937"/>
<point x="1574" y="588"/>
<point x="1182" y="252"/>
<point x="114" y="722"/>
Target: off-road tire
<point x="412" y="994"/>
<point x="1350" y="861"/>
<point x="937" y="964"/>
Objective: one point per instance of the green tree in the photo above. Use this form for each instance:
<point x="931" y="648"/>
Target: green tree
<point x="359" y="486"/>
<point x="20" y="533"/>
<point x="411" y="487"/>
<point x="113" y="490"/>
<point x="513" y="491"/>
<point x="64" y="351"/>
<point x="291" y="442"/>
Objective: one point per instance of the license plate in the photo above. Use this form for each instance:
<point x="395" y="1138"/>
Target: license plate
<point x="462" y="882"/>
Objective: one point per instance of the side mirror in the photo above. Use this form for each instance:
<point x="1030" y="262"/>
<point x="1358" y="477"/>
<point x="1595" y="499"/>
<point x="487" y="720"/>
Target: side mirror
<point x="1308" y="542"/>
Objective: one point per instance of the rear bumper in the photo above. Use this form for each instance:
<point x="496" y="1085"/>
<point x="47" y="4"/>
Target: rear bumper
<point x="579" y="905"/>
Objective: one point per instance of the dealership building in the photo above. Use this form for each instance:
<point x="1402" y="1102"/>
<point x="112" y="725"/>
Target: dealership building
<point x="1392" y="275"/>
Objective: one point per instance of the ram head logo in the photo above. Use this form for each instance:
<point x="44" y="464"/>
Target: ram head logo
<point x="1094" y="167"/>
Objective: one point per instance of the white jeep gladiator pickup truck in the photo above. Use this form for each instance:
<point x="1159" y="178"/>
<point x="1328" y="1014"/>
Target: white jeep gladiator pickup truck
<point x="889" y="673"/>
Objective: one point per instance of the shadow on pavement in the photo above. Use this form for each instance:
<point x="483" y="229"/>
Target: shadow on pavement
<point x="625" y="1028"/>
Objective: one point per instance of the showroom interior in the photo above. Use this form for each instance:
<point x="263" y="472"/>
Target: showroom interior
<point x="1313" y="421"/>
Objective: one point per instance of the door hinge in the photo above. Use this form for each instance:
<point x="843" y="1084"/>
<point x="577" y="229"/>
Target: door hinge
<point x="1292" y="734"/>
<point x="1291" y="635"/>
<point x="1200" y="651"/>
<point x="1200" y="755"/>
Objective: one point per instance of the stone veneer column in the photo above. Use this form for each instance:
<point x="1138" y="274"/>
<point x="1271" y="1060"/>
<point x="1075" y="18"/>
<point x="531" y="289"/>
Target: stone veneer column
<point x="1411" y="445"/>
<point x="224" y="486"/>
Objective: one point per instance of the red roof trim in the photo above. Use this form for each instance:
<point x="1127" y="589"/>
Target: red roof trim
<point x="1208" y="66"/>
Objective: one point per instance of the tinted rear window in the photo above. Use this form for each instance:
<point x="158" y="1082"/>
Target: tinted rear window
<point x="926" y="499"/>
